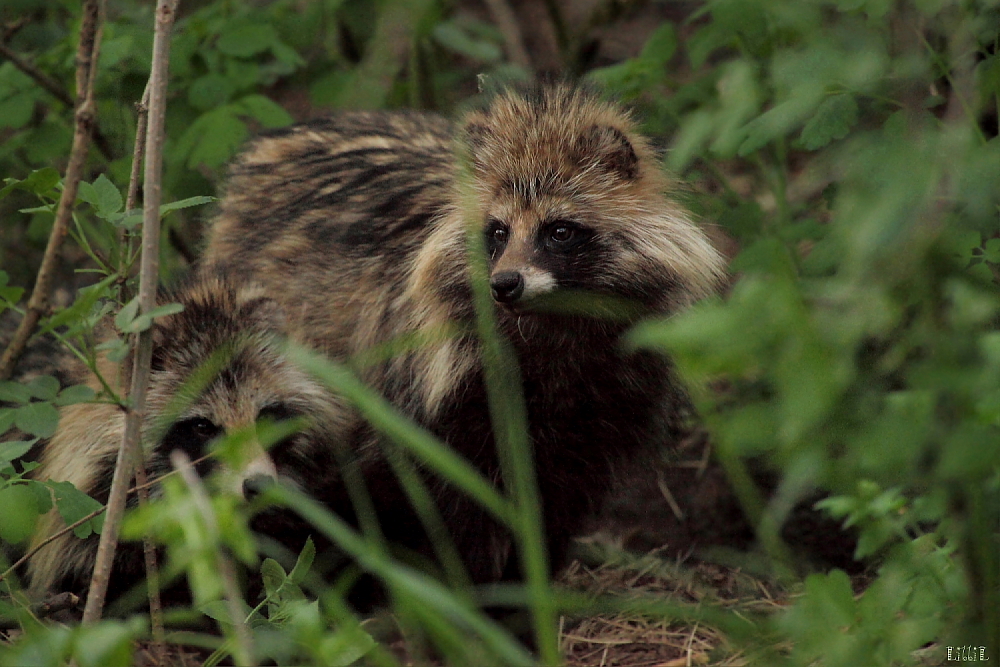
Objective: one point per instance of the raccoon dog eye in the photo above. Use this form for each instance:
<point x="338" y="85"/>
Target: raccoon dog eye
<point x="497" y="235"/>
<point x="191" y="436"/>
<point x="561" y="233"/>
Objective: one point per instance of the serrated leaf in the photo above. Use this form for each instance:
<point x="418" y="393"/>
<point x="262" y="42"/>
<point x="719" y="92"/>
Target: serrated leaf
<point x="833" y="120"/>
<point x="265" y="110"/>
<point x="87" y="193"/>
<point x="109" y="199"/>
<point x="303" y="562"/>
<point x="44" y="387"/>
<point x="78" y="393"/>
<point x="20" y="512"/>
<point x="185" y="203"/>
<point x="246" y="40"/>
<point x="73" y="505"/>
<point x="273" y="576"/>
<point x="38" y="418"/>
<point x="14" y="392"/>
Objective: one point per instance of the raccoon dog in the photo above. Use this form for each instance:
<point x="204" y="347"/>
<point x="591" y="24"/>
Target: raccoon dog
<point x="217" y="367"/>
<point x="357" y="225"/>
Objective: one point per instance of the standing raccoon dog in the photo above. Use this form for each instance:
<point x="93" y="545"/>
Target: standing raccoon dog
<point x="217" y="367"/>
<point x="356" y="225"/>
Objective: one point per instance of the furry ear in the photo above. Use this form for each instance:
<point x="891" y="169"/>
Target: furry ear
<point x="255" y="307"/>
<point x="611" y="149"/>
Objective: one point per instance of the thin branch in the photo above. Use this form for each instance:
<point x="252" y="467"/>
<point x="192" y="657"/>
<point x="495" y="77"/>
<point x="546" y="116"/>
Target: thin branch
<point x="85" y="113"/>
<point x="148" y="279"/>
<point x="57" y="91"/>
<point x="138" y="488"/>
<point x="244" y="645"/>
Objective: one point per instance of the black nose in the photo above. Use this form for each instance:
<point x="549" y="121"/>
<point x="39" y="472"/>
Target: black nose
<point x="507" y="287"/>
<point x="254" y="485"/>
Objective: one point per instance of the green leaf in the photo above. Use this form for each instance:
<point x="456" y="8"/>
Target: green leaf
<point x="81" y="308"/>
<point x="219" y="610"/>
<point x="661" y="45"/>
<point x="40" y="182"/>
<point x="116" y="350"/>
<point x="778" y="121"/>
<point x="265" y="110"/>
<point x="12" y="450"/>
<point x="210" y="91"/>
<point x="303" y="562"/>
<point x="7" y="416"/>
<point x="185" y="203"/>
<point x="44" y="387"/>
<point x="78" y="393"/>
<point x="213" y="138"/>
<point x="73" y="505"/>
<point x="833" y="120"/>
<point x="145" y="320"/>
<point x="14" y="392"/>
<point x="38" y="418"/>
<point x="106" y="644"/>
<point x="991" y="251"/>
<point x="345" y="647"/>
<point x="16" y="110"/>
<point x="273" y="576"/>
<point x="20" y="512"/>
<point x="127" y="315"/>
<point x="247" y="40"/>
<point x="109" y="199"/>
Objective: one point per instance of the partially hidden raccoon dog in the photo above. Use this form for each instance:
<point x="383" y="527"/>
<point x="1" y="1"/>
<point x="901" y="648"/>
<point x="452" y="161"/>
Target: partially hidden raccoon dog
<point x="357" y="225"/>
<point x="218" y="366"/>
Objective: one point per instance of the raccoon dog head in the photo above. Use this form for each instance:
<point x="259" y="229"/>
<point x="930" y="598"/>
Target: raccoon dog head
<point x="573" y="200"/>
<point x="217" y="368"/>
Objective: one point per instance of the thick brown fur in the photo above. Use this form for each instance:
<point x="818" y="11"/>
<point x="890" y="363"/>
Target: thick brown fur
<point x="357" y="225"/>
<point x="217" y="367"/>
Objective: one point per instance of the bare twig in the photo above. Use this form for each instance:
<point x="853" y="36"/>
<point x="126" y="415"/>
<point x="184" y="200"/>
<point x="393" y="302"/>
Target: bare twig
<point x="159" y="644"/>
<point x="85" y="113"/>
<point x="244" y="646"/>
<point x="57" y="91"/>
<point x="138" y="153"/>
<point x="148" y="279"/>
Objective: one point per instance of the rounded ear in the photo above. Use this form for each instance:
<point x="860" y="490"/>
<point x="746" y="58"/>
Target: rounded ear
<point x="611" y="149"/>
<point x="260" y="310"/>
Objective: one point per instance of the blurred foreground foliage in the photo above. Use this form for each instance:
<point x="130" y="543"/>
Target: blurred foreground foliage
<point x="846" y="148"/>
